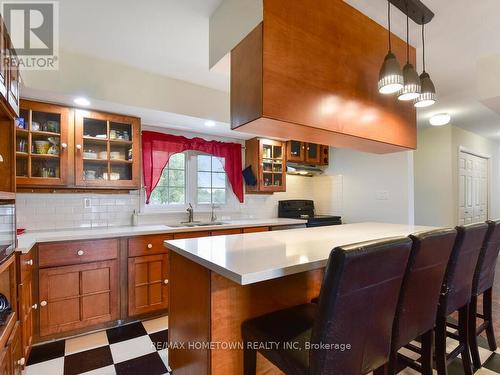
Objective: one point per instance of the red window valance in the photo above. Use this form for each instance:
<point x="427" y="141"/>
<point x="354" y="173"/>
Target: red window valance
<point x="158" y="147"/>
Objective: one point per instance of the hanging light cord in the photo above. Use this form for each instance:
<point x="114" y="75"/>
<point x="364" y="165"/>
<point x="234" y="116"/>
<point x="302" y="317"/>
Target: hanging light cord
<point x="423" y="46"/>
<point x="407" y="35"/>
<point x="389" y="18"/>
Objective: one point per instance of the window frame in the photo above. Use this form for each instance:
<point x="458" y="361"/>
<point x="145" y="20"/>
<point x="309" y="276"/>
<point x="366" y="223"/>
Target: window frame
<point x="191" y="191"/>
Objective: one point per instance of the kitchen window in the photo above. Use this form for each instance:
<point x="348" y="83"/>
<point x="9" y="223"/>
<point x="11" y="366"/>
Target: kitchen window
<point x="192" y="177"/>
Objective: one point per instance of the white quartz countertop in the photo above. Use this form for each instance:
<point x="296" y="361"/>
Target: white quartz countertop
<point x="27" y="240"/>
<point x="254" y="257"/>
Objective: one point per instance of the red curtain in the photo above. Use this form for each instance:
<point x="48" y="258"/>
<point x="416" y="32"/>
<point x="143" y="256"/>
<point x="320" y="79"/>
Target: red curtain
<point x="158" y="147"/>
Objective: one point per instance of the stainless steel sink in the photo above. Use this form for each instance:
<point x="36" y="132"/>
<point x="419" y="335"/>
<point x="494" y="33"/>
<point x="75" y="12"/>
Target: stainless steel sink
<point x="197" y="224"/>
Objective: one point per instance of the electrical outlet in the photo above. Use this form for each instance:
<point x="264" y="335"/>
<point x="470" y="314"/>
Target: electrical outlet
<point x="87" y="203"/>
<point x="382" y="195"/>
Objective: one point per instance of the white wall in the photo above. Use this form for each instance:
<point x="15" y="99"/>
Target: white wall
<point x="433" y="177"/>
<point x="373" y="187"/>
<point x="436" y="173"/>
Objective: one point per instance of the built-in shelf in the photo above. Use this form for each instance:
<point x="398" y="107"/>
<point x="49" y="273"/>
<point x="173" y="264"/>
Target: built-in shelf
<point x="45" y="134"/>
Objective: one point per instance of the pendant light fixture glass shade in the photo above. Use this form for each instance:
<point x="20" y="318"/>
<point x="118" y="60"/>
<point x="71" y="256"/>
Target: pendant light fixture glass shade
<point x="390" y="77"/>
<point x="427" y="95"/>
<point x="411" y="80"/>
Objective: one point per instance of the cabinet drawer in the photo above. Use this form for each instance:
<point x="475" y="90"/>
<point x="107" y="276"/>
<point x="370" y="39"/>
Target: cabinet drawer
<point x="147" y="245"/>
<point x="27" y="262"/>
<point x="255" y="229"/>
<point x="180" y="236"/>
<point x="75" y="252"/>
<point x="225" y="232"/>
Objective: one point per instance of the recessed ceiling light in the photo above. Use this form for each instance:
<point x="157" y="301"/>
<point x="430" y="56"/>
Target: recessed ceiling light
<point x="440" y="119"/>
<point x="210" y="123"/>
<point x="82" y="101"/>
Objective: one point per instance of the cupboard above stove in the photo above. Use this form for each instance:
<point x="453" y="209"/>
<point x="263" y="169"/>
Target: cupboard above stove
<point x="61" y="147"/>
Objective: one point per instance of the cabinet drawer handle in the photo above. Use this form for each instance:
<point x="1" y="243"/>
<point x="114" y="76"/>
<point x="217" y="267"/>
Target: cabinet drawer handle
<point x="29" y="262"/>
<point x="165" y="281"/>
<point x="21" y="362"/>
<point x="35" y="306"/>
<point x="78" y="147"/>
<point x="64" y="145"/>
<point x="43" y="303"/>
<point x="150" y="246"/>
<point x="80" y="253"/>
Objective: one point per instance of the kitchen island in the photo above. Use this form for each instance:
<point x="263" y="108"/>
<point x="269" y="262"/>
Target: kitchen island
<point x="216" y="283"/>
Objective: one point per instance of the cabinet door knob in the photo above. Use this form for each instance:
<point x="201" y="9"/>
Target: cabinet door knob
<point x="43" y="303"/>
<point x="21" y="362"/>
<point x="64" y="145"/>
<point x="35" y="306"/>
<point x="78" y="147"/>
<point x="80" y="253"/>
<point x="165" y="281"/>
<point x="29" y="262"/>
<point x="150" y="246"/>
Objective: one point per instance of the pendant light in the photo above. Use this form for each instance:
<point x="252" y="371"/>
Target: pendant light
<point x="411" y="86"/>
<point x="428" y="91"/>
<point x="391" y="76"/>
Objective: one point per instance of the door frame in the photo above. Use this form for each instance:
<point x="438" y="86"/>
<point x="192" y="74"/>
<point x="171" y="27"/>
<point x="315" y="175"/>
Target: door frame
<point x="488" y="158"/>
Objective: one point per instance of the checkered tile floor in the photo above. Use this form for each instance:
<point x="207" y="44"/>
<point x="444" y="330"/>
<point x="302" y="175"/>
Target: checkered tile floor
<point x="132" y="349"/>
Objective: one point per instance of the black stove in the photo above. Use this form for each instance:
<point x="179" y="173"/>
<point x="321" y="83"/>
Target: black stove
<point x="304" y="209"/>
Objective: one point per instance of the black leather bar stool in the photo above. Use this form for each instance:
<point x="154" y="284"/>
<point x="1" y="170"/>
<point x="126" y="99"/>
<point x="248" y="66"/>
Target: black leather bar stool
<point x="354" y="316"/>
<point x="456" y="295"/>
<point x="483" y="284"/>
<point x="418" y="300"/>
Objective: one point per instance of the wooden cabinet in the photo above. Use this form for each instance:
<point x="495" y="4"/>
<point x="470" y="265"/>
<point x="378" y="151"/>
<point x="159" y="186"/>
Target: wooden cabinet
<point x="14" y="348"/>
<point x="255" y="229"/>
<point x="78" y="296"/>
<point x="267" y="159"/>
<point x="325" y="155"/>
<point x="147" y="284"/>
<point x="295" y="151"/>
<point x="9" y="73"/>
<point x="60" y="147"/>
<point x="148" y="245"/>
<point x="74" y="252"/>
<point x="312" y="153"/>
<point x="26" y="304"/>
<point x="4" y="361"/>
<point x="180" y="236"/>
<point x="308" y="153"/>
<point x="107" y="150"/>
<point x="42" y="144"/>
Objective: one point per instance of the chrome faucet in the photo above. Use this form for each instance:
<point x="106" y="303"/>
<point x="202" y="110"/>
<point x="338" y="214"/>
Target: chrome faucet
<point x="213" y="217"/>
<point x="190" y="211"/>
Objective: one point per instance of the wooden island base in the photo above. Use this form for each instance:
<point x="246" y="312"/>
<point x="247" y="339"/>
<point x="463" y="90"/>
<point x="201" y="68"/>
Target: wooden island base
<point x="206" y="308"/>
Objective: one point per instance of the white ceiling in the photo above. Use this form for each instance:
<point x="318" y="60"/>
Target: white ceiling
<point x="170" y="37"/>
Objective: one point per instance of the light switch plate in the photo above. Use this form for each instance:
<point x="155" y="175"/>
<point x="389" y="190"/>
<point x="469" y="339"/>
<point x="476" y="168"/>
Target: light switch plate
<point x="87" y="203"/>
<point x="382" y="195"/>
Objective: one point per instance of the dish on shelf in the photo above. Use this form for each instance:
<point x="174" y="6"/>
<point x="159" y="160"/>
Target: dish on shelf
<point x="101" y="136"/>
<point x="42" y="147"/>
<point x="103" y="155"/>
<point x="35" y="126"/>
<point x="117" y="155"/>
<point x="113" y="176"/>
<point x="52" y="126"/>
<point x="89" y="154"/>
<point x="90" y="174"/>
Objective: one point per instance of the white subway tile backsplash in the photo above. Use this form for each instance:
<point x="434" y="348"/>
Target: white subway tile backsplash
<point x="62" y="211"/>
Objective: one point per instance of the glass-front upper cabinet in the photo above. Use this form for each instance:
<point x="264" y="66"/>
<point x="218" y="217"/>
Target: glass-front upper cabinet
<point x="106" y="150"/>
<point x="312" y="153"/>
<point x="42" y="153"/>
<point x="295" y="151"/>
<point x="273" y="164"/>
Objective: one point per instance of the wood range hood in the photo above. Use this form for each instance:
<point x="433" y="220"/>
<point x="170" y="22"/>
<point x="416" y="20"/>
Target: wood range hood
<point x="309" y="72"/>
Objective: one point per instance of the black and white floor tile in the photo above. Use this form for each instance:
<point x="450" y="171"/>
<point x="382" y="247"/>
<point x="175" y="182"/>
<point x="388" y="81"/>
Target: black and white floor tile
<point x="136" y="348"/>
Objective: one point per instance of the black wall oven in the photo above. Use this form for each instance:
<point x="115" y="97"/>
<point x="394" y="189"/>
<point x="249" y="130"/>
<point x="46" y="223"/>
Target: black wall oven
<point x="7" y="229"/>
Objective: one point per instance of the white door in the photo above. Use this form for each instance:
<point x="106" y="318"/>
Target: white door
<point x="472" y="188"/>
